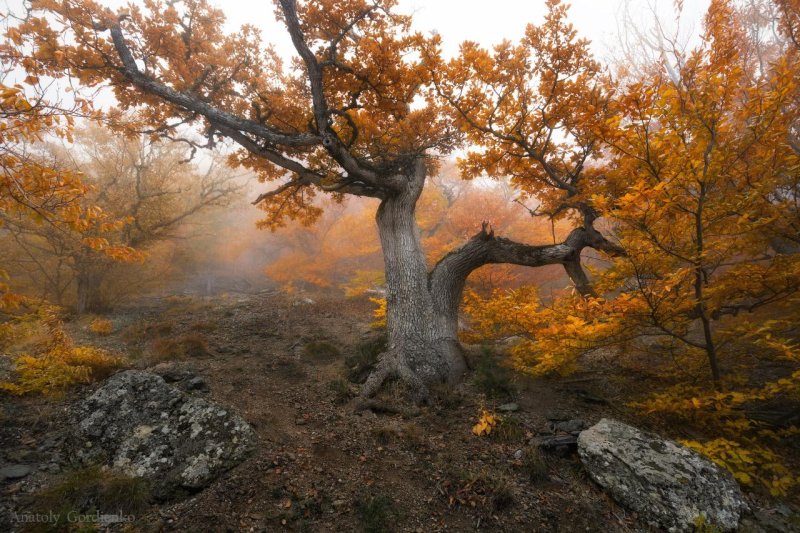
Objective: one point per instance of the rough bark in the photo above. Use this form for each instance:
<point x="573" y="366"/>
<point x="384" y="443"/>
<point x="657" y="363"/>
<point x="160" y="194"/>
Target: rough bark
<point x="422" y="345"/>
<point x="422" y="306"/>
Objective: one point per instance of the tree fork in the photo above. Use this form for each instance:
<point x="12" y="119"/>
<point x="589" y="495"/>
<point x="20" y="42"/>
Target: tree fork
<point x="422" y="305"/>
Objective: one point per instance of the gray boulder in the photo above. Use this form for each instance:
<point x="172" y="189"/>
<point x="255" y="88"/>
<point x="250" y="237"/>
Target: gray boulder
<point x="670" y="486"/>
<point x="15" y="471"/>
<point x="139" y="424"/>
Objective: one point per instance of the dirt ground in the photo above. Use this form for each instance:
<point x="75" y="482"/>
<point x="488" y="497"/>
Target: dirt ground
<point x="321" y="465"/>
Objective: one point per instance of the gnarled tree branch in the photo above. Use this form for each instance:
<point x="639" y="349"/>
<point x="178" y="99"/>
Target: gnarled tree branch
<point x="189" y="102"/>
<point x="330" y="140"/>
<point x="448" y="277"/>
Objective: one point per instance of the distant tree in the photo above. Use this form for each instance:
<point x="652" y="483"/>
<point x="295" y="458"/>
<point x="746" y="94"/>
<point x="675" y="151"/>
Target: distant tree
<point x="146" y="184"/>
<point x="35" y="190"/>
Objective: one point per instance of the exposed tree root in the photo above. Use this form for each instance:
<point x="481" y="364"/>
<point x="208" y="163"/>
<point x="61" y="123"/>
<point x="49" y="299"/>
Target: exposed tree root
<point x="391" y="367"/>
<point x="367" y="404"/>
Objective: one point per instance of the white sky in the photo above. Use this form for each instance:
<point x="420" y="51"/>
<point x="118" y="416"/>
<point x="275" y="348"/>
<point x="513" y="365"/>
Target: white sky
<point x="486" y="22"/>
<point x="491" y="22"/>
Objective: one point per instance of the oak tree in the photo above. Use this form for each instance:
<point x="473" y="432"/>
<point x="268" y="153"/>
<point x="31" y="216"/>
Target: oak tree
<point x="358" y="112"/>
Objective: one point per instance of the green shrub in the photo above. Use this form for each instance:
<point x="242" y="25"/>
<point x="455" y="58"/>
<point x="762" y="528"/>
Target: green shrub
<point x="535" y="465"/>
<point x="491" y="377"/>
<point x="375" y="512"/>
<point x="87" y="491"/>
<point x="364" y="358"/>
<point x="509" y="429"/>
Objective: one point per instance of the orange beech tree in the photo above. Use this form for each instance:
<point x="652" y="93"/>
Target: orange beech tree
<point x="699" y="179"/>
<point x="706" y="184"/>
<point x="356" y="113"/>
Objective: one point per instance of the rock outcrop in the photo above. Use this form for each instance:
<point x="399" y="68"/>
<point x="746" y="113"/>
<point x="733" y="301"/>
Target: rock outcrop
<point x="667" y="484"/>
<point x="139" y="424"/>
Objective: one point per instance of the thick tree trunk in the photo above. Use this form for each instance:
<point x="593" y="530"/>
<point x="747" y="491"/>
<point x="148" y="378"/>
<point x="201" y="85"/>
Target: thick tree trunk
<point x="422" y="307"/>
<point x="89" y="297"/>
<point x="423" y="347"/>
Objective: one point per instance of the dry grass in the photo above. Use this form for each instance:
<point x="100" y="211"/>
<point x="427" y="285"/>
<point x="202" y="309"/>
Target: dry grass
<point x="194" y="345"/>
<point x="88" y="491"/>
<point x="165" y="349"/>
<point x="101" y="326"/>
<point x="143" y="331"/>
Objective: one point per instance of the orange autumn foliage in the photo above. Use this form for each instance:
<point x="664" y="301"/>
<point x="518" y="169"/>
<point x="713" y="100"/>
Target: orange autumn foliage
<point x="51" y="363"/>
<point x="32" y="188"/>
<point x="700" y="185"/>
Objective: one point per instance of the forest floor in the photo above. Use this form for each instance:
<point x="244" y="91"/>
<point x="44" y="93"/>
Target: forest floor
<point x="287" y="365"/>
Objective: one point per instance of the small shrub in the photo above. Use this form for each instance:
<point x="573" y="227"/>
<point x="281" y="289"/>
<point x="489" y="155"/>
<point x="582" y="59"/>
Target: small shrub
<point x="509" y="429"/>
<point x="42" y="375"/>
<point x="375" y="512"/>
<point x="364" y="358"/>
<point x="134" y="333"/>
<point x="502" y="493"/>
<point x="341" y="391"/>
<point x="487" y="422"/>
<point x="749" y="464"/>
<point x="143" y="331"/>
<point x="100" y="363"/>
<point x="194" y="345"/>
<point x="101" y="326"/>
<point x="491" y="378"/>
<point x="59" y="364"/>
<point x="322" y="351"/>
<point x="88" y="491"/>
<point x="534" y="465"/>
<point x="168" y="349"/>
<point x="165" y="350"/>
<point x="379" y="313"/>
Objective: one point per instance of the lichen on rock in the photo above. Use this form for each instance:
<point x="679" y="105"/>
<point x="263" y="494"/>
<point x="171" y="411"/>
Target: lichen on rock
<point x="145" y="427"/>
<point x="669" y="485"/>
